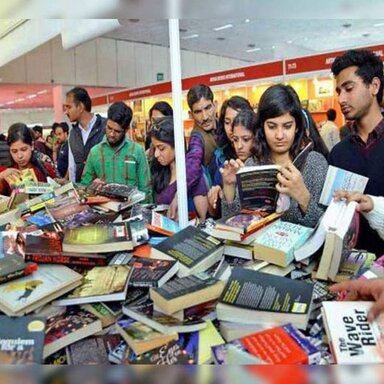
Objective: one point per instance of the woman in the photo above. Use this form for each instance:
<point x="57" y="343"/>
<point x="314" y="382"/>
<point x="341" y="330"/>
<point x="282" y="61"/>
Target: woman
<point x="280" y="135"/>
<point x="242" y="133"/>
<point x="159" y="109"/>
<point x="225" y="151"/>
<point x="163" y="168"/>
<point x="20" y="142"/>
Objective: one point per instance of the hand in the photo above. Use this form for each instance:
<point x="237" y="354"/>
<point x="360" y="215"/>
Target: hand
<point x="365" y="202"/>
<point x="214" y="194"/>
<point x="10" y="174"/>
<point x="172" y="212"/>
<point x="229" y="170"/>
<point x="61" y="181"/>
<point x="291" y="183"/>
<point x="98" y="182"/>
<point x="364" y="290"/>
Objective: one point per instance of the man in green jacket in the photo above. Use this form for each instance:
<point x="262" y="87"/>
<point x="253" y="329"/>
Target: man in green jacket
<point x="116" y="159"/>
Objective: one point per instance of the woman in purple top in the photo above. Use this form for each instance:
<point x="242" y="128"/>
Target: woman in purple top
<point x="163" y="168"/>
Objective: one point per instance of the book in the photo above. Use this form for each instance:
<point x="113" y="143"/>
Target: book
<point x="101" y="311"/>
<point x="140" y="337"/>
<point x="352" y="338"/>
<point x="62" y="330"/>
<point x="232" y="331"/>
<point x="139" y="231"/>
<point x="232" y="248"/>
<point x="234" y="353"/>
<point x="194" y="249"/>
<point x="253" y="297"/>
<point x="162" y="225"/>
<point x="98" y="238"/>
<point x="30" y="292"/>
<point x="277" y="244"/>
<point x="243" y="225"/>
<point x="208" y="338"/>
<point x="22" y="340"/>
<point x="108" y="283"/>
<point x="340" y="238"/>
<point x="342" y="180"/>
<point x="151" y="272"/>
<point x="118" y="191"/>
<point x="186" y="292"/>
<point x="301" y="157"/>
<point x="257" y="187"/>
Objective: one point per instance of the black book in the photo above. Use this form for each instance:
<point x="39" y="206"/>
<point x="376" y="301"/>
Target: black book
<point x="113" y="190"/>
<point x="254" y="297"/>
<point x="22" y="340"/>
<point x="195" y="250"/>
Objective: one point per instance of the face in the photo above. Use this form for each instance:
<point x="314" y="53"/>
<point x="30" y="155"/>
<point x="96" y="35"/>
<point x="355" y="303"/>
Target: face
<point x="229" y="116"/>
<point x="280" y="133"/>
<point x="72" y="110"/>
<point x="21" y="153"/>
<point x="61" y="136"/>
<point x="243" y="142"/>
<point x="164" y="152"/>
<point x="114" y="132"/>
<point x="203" y="113"/>
<point x="355" y="97"/>
<point x="155" y="115"/>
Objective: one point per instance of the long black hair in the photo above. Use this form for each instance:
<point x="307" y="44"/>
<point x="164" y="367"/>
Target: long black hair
<point x="248" y="119"/>
<point x="276" y="101"/>
<point x="162" y="130"/>
<point x="20" y="132"/>
<point x="163" y="107"/>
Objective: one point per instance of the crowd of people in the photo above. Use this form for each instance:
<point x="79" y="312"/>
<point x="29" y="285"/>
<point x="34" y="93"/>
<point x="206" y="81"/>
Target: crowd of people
<point x="98" y="150"/>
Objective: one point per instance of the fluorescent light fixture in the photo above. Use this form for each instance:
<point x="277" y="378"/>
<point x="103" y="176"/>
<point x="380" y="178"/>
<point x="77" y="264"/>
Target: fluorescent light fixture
<point x="42" y="92"/>
<point x="190" y="36"/>
<point x="31" y="96"/>
<point x="226" y="26"/>
<point x="253" y="50"/>
<point x="378" y="25"/>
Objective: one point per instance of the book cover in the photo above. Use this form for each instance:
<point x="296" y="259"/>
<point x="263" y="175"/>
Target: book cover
<point x="151" y="272"/>
<point x="30" y="292"/>
<point x="195" y="250"/>
<point x="255" y="297"/>
<point x="257" y="187"/>
<point x="162" y="224"/>
<point x="353" y="339"/>
<point x="114" y="190"/>
<point x="62" y="330"/>
<point x="342" y="180"/>
<point x="21" y="340"/>
<point x="109" y="283"/>
<point x="98" y="238"/>
<point x="279" y="241"/>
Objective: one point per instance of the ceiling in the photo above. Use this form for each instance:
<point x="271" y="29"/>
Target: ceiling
<point x="264" y="39"/>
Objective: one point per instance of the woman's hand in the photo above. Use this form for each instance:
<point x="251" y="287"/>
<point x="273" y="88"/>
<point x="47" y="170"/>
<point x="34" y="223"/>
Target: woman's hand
<point x="214" y="194"/>
<point x="228" y="172"/>
<point x="10" y="175"/>
<point x="291" y="183"/>
<point x="365" y="202"/>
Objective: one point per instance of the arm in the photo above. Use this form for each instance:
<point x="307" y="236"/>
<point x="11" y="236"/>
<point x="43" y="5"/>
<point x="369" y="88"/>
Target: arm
<point x="194" y="160"/>
<point x="89" y="172"/>
<point x="144" y="176"/>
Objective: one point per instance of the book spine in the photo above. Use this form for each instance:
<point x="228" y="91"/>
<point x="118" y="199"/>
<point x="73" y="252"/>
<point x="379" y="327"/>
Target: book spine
<point x="66" y="260"/>
<point x="311" y="351"/>
<point x="24" y="271"/>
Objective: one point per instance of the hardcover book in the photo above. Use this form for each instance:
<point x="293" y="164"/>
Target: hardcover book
<point x="98" y="238"/>
<point x="254" y="297"/>
<point x="21" y="340"/>
<point x="195" y="250"/>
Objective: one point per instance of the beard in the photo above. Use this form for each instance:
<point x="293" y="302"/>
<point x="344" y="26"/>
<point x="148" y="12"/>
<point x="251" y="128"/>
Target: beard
<point x="116" y="143"/>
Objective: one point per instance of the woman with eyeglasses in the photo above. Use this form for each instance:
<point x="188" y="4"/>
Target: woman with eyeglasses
<point x="163" y="168"/>
<point x="280" y="135"/>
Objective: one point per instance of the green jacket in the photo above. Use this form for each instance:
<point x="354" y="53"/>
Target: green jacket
<point x="126" y="164"/>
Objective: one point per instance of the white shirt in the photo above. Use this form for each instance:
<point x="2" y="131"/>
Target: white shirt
<point x="85" y="132"/>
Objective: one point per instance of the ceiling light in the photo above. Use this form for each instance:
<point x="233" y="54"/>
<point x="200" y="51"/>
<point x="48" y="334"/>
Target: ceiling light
<point x="347" y="25"/>
<point x="42" y="92"/>
<point x="226" y="26"/>
<point x="183" y="30"/>
<point x="289" y="41"/>
<point x="253" y="50"/>
<point x="378" y="25"/>
<point x="220" y="38"/>
<point x="366" y="34"/>
<point x="190" y="36"/>
<point x="247" y="20"/>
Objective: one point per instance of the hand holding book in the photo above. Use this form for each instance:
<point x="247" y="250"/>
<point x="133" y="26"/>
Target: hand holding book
<point x="228" y="173"/>
<point x="365" y="202"/>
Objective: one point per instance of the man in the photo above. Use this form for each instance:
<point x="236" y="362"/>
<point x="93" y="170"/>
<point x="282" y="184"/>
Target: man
<point x="88" y="130"/>
<point x="60" y="149"/>
<point x="117" y="159"/>
<point x="329" y="131"/>
<point x="359" y="78"/>
<point x="39" y="142"/>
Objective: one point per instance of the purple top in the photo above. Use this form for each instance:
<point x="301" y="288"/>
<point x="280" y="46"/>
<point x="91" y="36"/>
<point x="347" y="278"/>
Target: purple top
<point x="195" y="160"/>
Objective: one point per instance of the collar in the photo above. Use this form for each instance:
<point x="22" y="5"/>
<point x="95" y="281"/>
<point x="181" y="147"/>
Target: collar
<point x="126" y="141"/>
<point x="90" y="124"/>
<point x="373" y="135"/>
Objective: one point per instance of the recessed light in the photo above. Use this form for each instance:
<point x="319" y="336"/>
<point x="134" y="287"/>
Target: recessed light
<point x="347" y="25"/>
<point x="366" y="34"/>
<point x="273" y="47"/>
<point x="247" y="20"/>
<point x="253" y="50"/>
<point x="226" y="26"/>
<point x="190" y="36"/>
<point x="289" y="41"/>
<point x="251" y="45"/>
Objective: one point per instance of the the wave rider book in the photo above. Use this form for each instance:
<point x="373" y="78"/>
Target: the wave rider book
<point x="193" y="248"/>
<point x="253" y="297"/>
<point x="352" y="338"/>
<point x="21" y="340"/>
<point x="31" y="292"/>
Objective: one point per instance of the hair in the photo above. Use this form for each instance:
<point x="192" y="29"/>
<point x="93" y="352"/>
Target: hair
<point x="314" y="135"/>
<point x="162" y="130"/>
<point x="197" y="92"/>
<point x="163" y="107"/>
<point x="121" y="114"/>
<point x="63" y="125"/>
<point x="331" y="114"/>
<point x="369" y="66"/>
<point x="80" y="95"/>
<point x="20" y="132"/>
<point x="38" y="128"/>
<point x="276" y="101"/>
